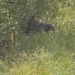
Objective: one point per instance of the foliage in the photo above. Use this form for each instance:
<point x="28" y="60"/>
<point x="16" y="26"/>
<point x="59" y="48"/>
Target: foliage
<point x="44" y="63"/>
<point x="3" y="67"/>
<point x="38" y="53"/>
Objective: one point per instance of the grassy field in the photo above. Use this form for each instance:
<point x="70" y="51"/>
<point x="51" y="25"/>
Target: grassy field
<point x="46" y="54"/>
<point x="41" y="63"/>
<point x="41" y="53"/>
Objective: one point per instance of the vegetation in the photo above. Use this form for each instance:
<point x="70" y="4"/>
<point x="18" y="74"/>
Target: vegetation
<point x="40" y="53"/>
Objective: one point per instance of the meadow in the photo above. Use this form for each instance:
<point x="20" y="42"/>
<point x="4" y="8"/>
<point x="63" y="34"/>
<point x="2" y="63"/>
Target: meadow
<point x="44" y="54"/>
<point x="38" y="53"/>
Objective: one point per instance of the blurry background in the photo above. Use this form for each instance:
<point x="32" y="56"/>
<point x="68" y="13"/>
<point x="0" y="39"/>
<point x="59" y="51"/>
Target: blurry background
<point x="14" y="15"/>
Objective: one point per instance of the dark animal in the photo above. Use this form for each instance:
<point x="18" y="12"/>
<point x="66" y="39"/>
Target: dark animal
<point x="33" y="24"/>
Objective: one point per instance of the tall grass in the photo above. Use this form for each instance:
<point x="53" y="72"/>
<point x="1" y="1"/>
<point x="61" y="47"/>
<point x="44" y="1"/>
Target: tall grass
<point x="44" y="63"/>
<point x="45" y="53"/>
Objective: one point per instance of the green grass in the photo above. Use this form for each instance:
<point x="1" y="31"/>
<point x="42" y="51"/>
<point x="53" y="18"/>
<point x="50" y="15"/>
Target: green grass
<point x="42" y="53"/>
<point x="44" y="63"/>
<point x="45" y="54"/>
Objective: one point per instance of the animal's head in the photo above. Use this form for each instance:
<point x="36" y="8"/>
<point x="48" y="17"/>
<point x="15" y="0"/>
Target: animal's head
<point x="31" y="20"/>
<point x="32" y="23"/>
